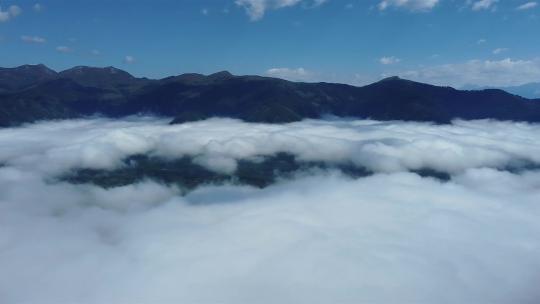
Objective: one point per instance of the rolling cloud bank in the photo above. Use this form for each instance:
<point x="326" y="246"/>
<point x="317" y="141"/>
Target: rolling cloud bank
<point x="318" y="236"/>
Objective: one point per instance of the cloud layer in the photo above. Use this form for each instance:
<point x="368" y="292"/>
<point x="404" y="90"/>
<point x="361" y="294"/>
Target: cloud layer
<point x="320" y="238"/>
<point x="52" y="148"/>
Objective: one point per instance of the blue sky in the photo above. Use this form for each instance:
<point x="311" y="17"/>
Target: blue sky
<point x="448" y="42"/>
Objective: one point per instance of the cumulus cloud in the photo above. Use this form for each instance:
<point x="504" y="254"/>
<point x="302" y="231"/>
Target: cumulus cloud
<point x="12" y="12"/>
<point x="504" y="72"/>
<point x="257" y="8"/>
<point x="63" y="49"/>
<point x="415" y="5"/>
<point x="389" y="60"/>
<point x="527" y="6"/>
<point x="318" y="238"/>
<point x="33" y="39"/>
<point x="483" y="4"/>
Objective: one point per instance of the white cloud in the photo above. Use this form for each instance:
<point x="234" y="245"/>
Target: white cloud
<point x="483" y="4"/>
<point x="12" y="12"/>
<point x="317" y="238"/>
<point x="389" y="60"/>
<point x="63" y="49"/>
<point x="95" y="52"/>
<point x="4" y="16"/>
<point x="298" y="74"/>
<point x="504" y="72"/>
<point x="129" y="59"/>
<point x="257" y="8"/>
<point x="204" y="11"/>
<point x="33" y="39"/>
<point x="37" y="7"/>
<point x="15" y="10"/>
<point x="481" y="41"/>
<point x="499" y="51"/>
<point x="415" y="5"/>
<point x="527" y="6"/>
<point x="216" y="144"/>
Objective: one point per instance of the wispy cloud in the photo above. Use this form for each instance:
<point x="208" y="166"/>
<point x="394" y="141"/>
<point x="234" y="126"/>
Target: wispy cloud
<point x="527" y="6"/>
<point x="389" y="60"/>
<point x="129" y="59"/>
<point x="63" y="49"/>
<point x="256" y="9"/>
<point x="295" y="74"/>
<point x="414" y="5"/>
<point x="499" y="51"/>
<point x="33" y="39"/>
<point x="483" y="5"/>
<point x="37" y="7"/>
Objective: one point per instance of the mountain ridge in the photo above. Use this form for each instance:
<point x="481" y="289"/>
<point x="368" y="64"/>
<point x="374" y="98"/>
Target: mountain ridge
<point x="35" y="92"/>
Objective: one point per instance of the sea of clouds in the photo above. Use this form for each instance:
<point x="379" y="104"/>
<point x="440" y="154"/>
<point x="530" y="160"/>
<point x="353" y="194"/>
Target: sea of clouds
<point x="322" y="237"/>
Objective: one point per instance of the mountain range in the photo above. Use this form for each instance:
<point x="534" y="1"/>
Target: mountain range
<point x="35" y="92"/>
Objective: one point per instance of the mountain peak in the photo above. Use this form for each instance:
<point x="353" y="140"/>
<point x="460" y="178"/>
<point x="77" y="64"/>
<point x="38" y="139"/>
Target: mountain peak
<point x="102" y="77"/>
<point x="221" y="75"/>
<point x="396" y="81"/>
<point x="86" y="72"/>
<point x="39" y="68"/>
<point x="391" y="78"/>
<point x="86" y="69"/>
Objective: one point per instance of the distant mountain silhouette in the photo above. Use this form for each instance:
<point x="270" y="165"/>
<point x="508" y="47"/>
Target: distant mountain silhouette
<point x="35" y="92"/>
<point x="528" y="90"/>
